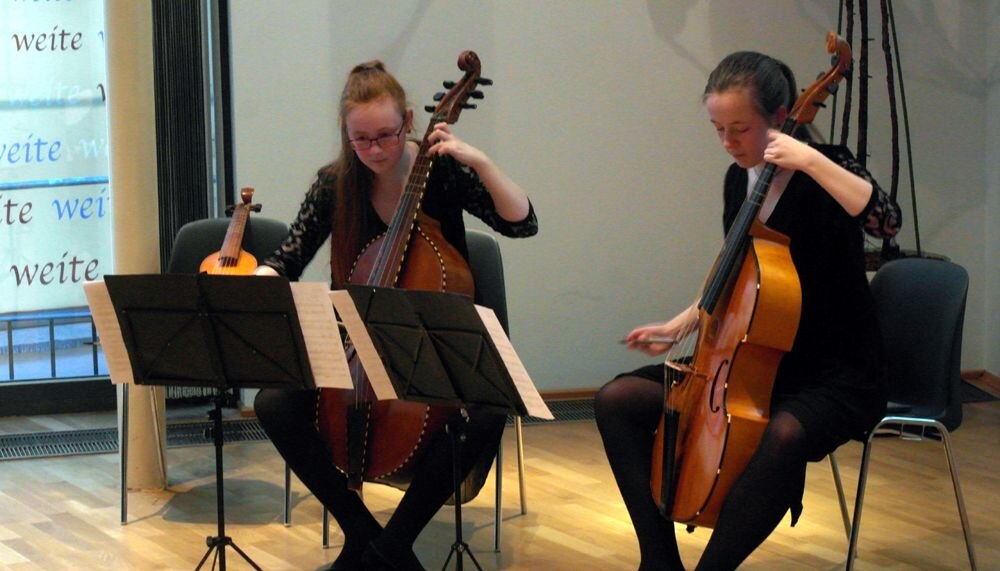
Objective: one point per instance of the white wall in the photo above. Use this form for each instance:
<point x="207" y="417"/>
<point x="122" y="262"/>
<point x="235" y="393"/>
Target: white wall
<point x="991" y="255"/>
<point x="596" y="112"/>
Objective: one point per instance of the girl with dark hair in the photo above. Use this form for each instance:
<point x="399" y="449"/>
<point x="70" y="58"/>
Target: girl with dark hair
<point x="351" y="201"/>
<point x="829" y="387"/>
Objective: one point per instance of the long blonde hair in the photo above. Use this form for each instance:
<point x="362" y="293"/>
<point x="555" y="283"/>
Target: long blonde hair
<point x="352" y="179"/>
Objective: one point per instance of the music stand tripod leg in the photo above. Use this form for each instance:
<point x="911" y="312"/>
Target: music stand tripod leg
<point x="218" y="543"/>
<point x="456" y="431"/>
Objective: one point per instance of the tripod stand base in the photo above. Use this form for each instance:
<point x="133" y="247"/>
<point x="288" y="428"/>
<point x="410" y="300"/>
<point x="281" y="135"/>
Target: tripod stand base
<point x="459" y="549"/>
<point x="456" y="431"/>
<point x="218" y="545"/>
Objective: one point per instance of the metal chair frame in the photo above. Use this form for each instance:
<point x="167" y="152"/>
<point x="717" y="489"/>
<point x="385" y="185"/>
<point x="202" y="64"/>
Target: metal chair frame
<point x="903" y="417"/>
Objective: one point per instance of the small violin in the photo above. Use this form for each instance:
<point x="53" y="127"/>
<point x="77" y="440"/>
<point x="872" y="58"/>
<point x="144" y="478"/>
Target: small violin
<point x="232" y="259"/>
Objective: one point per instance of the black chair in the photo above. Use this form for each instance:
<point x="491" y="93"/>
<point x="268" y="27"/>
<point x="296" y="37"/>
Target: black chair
<point x="486" y="265"/>
<point x="194" y="242"/>
<point x="921" y="309"/>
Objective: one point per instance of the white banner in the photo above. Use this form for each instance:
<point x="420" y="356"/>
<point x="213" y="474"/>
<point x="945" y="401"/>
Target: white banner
<point x="55" y="202"/>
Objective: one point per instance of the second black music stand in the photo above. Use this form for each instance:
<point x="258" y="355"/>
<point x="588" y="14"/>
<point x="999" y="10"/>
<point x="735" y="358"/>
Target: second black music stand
<point x="436" y="349"/>
<point x="211" y="331"/>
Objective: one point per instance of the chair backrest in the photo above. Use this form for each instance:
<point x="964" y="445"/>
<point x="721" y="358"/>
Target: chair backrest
<point x="921" y="310"/>
<point x="196" y="240"/>
<point x="486" y="265"/>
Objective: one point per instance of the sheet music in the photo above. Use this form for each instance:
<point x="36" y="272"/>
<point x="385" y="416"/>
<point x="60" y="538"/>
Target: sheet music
<point x="525" y="387"/>
<point x="110" y="334"/>
<point x="370" y="360"/>
<point x="319" y="328"/>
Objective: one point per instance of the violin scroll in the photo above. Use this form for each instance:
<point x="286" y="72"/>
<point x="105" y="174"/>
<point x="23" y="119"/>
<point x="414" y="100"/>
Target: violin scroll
<point x="811" y="99"/>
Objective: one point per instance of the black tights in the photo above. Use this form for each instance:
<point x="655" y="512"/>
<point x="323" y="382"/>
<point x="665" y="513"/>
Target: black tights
<point x="628" y="410"/>
<point x="289" y="418"/>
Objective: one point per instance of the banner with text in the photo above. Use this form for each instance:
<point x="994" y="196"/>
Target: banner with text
<point x="55" y="202"/>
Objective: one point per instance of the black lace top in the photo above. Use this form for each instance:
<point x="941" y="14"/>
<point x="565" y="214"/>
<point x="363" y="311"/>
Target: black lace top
<point x="451" y="189"/>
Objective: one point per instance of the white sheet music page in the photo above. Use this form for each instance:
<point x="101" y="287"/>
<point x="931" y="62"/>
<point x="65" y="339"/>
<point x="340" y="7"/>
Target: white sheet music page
<point x="525" y="387"/>
<point x="319" y="328"/>
<point x="109" y="332"/>
<point x="370" y="360"/>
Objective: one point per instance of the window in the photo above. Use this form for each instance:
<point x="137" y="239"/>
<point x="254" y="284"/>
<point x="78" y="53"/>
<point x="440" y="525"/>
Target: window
<point x="55" y="201"/>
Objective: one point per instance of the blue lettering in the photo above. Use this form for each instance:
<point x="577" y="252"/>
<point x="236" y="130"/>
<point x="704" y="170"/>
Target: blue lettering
<point x="82" y="208"/>
<point x="13" y="153"/>
<point x="32" y="150"/>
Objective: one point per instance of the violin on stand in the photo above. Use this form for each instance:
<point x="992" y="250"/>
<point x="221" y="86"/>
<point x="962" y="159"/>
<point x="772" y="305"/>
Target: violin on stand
<point x="232" y="259"/>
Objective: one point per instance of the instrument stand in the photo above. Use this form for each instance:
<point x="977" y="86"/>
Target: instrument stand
<point x="456" y="431"/>
<point x="436" y="348"/>
<point x="218" y="543"/>
<point x="208" y="331"/>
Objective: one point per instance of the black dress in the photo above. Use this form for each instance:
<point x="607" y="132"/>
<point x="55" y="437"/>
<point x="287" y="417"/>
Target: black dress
<point x="832" y="380"/>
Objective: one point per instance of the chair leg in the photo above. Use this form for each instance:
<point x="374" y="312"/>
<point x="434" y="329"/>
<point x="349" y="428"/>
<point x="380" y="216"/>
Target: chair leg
<point x="519" y="436"/>
<point x="952" y="467"/>
<point x="498" y="503"/>
<point x="840" y="495"/>
<point x="520" y="464"/>
<point x="288" y="495"/>
<point x="859" y="499"/>
<point x="959" y="499"/>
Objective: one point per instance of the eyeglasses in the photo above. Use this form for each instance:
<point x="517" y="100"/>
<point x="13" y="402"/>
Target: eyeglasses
<point x="385" y="142"/>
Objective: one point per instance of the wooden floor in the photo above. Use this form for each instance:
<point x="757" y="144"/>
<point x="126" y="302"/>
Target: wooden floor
<point x="63" y="513"/>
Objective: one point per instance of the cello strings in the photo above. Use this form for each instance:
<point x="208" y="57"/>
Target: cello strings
<point x="683" y="348"/>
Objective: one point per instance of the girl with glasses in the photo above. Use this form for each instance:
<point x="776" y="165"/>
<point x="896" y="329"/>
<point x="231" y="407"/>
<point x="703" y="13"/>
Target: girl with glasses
<point x="351" y="201"/>
<point x="828" y="387"/>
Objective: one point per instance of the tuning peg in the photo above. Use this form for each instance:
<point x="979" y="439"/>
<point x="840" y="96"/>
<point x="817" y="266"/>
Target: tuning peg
<point x="833" y="87"/>
<point x="439" y="96"/>
<point x="484" y="81"/>
<point x="429" y="108"/>
<point x="476" y="94"/>
<point x="449" y="84"/>
<point x="468" y="106"/>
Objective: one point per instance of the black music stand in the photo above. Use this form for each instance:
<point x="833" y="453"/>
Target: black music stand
<point x="436" y="349"/>
<point x="211" y="331"/>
